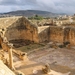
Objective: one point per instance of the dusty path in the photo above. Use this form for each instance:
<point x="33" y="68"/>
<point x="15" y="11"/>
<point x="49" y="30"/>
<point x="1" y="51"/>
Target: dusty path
<point x="61" y="60"/>
<point x="60" y="56"/>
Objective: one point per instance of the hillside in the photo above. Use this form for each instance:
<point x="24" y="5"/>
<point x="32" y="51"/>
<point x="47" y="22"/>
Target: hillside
<point x="29" y="13"/>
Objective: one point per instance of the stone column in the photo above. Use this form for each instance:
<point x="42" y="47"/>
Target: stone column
<point x="10" y="58"/>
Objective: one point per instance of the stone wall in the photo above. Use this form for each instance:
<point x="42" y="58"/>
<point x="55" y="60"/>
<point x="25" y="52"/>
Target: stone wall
<point x="44" y="35"/>
<point x="69" y="24"/>
<point x="22" y="29"/>
<point x="72" y="36"/>
<point x="52" y="33"/>
<point x="61" y="34"/>
<point x="58" y="34"/>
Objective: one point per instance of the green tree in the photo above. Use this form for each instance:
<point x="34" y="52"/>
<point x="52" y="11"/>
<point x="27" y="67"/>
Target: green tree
<point x="36" y="17"/>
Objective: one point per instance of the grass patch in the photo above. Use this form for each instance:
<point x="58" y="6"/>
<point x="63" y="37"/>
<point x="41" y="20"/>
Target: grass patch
<point x="30" y="47"/>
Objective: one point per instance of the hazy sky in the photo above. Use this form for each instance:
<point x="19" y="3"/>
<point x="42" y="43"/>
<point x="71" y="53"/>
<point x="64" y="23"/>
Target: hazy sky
<point x="56" y="6"/>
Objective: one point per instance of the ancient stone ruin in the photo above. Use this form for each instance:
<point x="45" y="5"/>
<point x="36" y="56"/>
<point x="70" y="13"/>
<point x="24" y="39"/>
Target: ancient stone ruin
<point x="8" y="49"/>
<point x="22" y="31"/>
<point x="19" y="30"/>
<point x="46" y="69"/>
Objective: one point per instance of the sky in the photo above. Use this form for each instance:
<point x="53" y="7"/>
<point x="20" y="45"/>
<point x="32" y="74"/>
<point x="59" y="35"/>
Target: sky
<point x="55" y="6"/>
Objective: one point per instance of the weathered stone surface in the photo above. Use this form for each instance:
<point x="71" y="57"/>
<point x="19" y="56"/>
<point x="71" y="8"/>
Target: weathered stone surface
<point x="22" y="29"/>
<point x="4" y="70"/>
<point x="43" y="33"/>
<point x="58" y="34"/>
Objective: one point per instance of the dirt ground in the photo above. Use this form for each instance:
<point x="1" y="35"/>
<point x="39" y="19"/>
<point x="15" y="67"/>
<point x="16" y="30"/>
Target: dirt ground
<point x="61" y="60"/>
